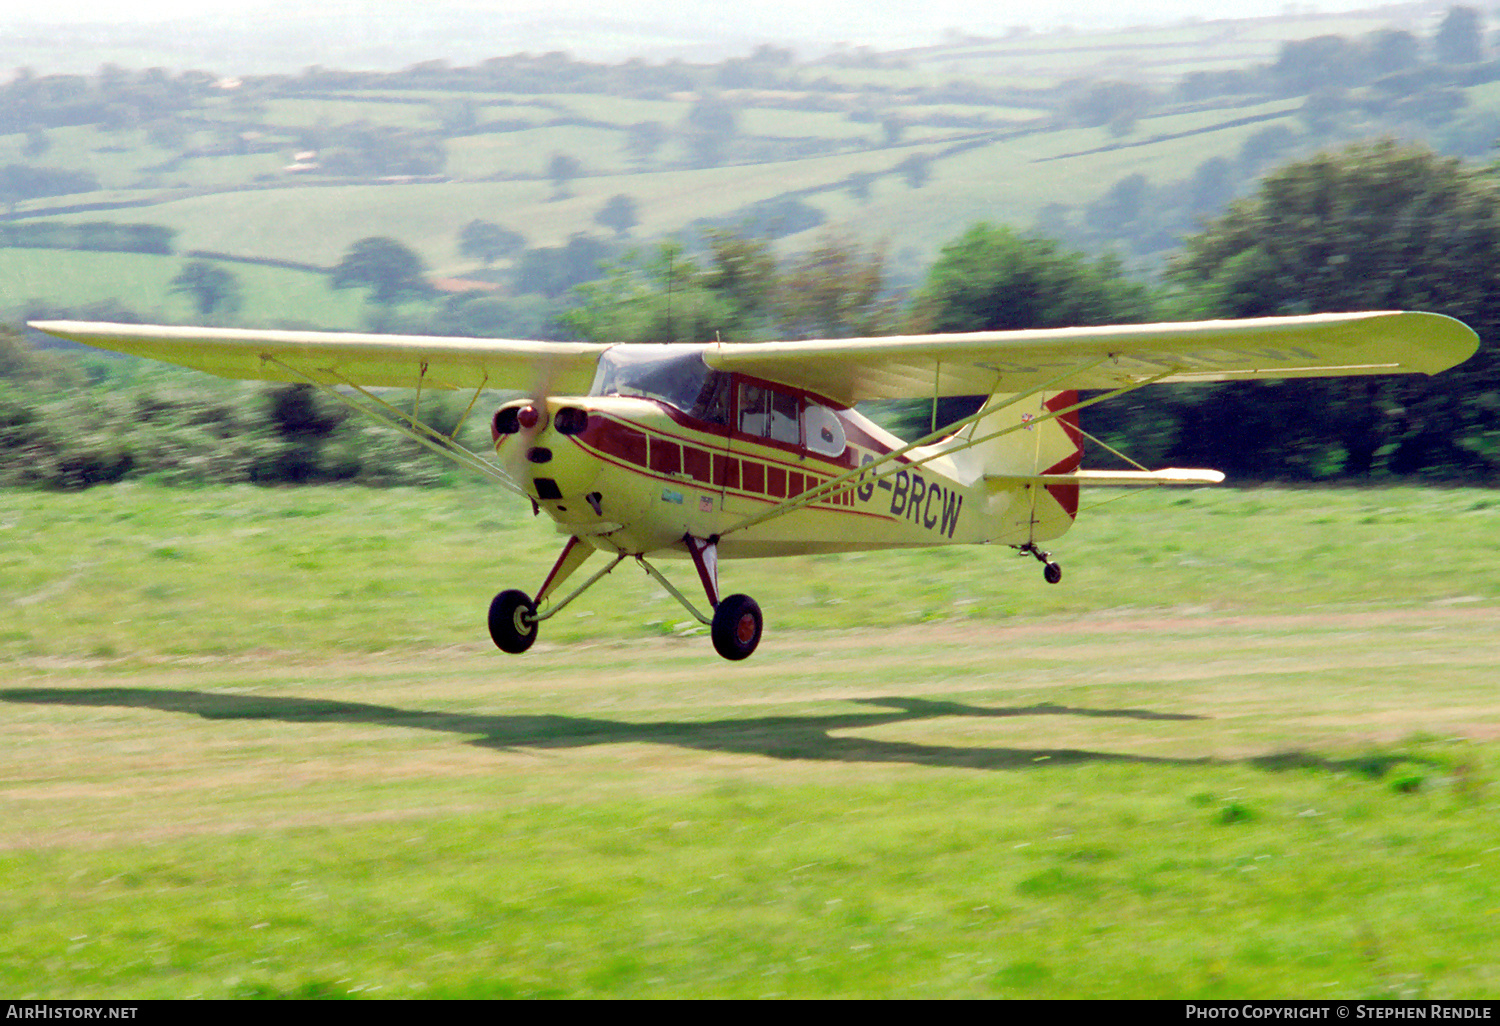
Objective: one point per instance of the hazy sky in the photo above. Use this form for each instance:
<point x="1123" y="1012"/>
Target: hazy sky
<point x="854" y="20"/>
<point x="259" y="36"/>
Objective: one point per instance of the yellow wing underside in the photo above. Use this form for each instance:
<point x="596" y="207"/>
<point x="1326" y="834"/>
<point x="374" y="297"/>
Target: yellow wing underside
<point x="844" y="370"/>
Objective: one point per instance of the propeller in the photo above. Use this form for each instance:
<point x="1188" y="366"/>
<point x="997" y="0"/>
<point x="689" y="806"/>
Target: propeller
<point x="517" y="424"/>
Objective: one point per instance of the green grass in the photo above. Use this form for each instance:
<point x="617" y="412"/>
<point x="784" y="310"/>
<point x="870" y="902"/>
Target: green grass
<point x="253" y="743"/>
<point x="138" y="569"/>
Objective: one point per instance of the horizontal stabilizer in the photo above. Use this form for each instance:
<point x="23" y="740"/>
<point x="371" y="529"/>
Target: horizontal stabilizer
<point x="1116" y="478"/>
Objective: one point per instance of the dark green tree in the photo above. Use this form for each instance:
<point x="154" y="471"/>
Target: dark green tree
<point x="1325" y="110"/>
<point x="894" y="127"/>
<point x="859" y="184"/>
<point x="1106" y="103"/>
<point x="1460" y="38"/>
<point x="1393" y="50"/>
<point x="643" y="139"/>
<point x="835" y="290"/>
<point x="1212" y="185"/>
<point x="554" y="270"/>
<point x="619" y="214"/>
<point x="916" y="169"/>
<point x="488" y="241"/>
<point x="1379" y="226"/>
<point x="656" y="296"/>
<point x="391" y="271"/>
<point x="1265" y="146"/>
<point x="37" y="143"/>
<point x="562" y="168"/>
<point x="994" y="278"/>
<point x="1322" y="62"/>
<point x="213" y="289"/>
<point x="23" y="182"/>
<point x="712" y="122"/>
<point x="1117" y="212"/>
<point x="744" y="273"/>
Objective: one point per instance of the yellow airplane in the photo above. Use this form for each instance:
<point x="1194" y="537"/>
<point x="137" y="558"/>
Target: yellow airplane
<point x="727" y="451"/>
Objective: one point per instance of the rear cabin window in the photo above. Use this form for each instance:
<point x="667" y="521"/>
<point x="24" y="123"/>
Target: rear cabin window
<point x="823" y="430"/>
<point x="767" y="413"/>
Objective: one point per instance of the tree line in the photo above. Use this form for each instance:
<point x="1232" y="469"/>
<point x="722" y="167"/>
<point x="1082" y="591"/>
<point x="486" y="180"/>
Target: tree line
<point x="1372" y="226"/>
<point x="98" y="236"/>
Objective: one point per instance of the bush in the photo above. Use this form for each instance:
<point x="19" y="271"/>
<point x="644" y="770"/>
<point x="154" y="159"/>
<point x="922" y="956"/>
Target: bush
<point x="179" y="434"/>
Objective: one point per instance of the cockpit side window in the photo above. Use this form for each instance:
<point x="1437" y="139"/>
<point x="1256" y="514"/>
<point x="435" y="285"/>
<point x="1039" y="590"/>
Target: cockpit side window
<point x="785" y="426"/>
<point x="755" y="409"/>
<point x="767" y="413"/>
<point x="712" y="403"/>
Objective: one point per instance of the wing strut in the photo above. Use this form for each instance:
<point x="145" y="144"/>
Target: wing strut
<point x="869" y="473"/>
<point x="407" y="423"/>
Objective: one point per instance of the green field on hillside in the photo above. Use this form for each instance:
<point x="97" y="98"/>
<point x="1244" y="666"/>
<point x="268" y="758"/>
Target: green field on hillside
<point x="272" y="295"/>
<point x="1016" y="130"/>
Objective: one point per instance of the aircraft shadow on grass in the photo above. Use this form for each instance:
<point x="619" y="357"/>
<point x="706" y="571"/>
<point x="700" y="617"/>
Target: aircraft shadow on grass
<point x="777" y="737"/>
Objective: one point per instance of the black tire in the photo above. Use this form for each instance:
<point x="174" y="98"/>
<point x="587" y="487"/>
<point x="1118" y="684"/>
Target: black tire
<point x="737" y="625"/>
<point x="1052" y="573"/>
<point x="511" y="623"/>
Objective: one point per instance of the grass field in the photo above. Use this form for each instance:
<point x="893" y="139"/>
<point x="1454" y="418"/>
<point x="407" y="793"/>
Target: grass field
<point x="256" y="744"/>
<point x="270" y="295"/>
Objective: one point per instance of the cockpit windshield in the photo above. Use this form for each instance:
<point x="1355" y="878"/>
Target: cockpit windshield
<point x="675" y="375"/>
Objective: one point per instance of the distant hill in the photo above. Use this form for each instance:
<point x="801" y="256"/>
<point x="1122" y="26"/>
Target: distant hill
<point x="1115" y="140"/>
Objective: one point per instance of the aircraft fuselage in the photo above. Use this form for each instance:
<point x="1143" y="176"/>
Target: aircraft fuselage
<point x="635" y="475"/>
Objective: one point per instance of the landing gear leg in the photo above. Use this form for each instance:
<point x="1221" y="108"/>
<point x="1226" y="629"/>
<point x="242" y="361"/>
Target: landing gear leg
<point x="1051" y="572"/>
<point x="513" y="613"/>
<point x="736" y="622"/>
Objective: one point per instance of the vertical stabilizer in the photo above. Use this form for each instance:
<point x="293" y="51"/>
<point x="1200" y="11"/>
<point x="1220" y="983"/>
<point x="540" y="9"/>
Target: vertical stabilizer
<point x="1024" y="439"/>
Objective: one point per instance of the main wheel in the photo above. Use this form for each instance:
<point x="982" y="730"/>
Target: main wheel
<point x="736" y="629"/>
<point x="1052" y="573"/>
<point x="511" y="621"/>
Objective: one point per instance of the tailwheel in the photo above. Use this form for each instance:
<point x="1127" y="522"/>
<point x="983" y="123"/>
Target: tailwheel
<point x="736" y="627"/>
<point x="513" y="621"/>
<point x="1051" y="572"/>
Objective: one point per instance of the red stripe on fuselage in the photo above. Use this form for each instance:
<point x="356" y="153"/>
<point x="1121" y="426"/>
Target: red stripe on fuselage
<point x="627" y="444"/>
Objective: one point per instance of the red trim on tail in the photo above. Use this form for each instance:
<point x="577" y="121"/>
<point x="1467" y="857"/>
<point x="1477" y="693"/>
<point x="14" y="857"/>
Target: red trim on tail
<point x="1067" y="495"/>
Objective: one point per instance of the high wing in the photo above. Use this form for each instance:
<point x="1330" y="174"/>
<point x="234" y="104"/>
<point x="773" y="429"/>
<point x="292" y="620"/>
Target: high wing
<point x="983" y="363"/>
<point x="398" y="361"/>
<point x="845" y="370"/>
